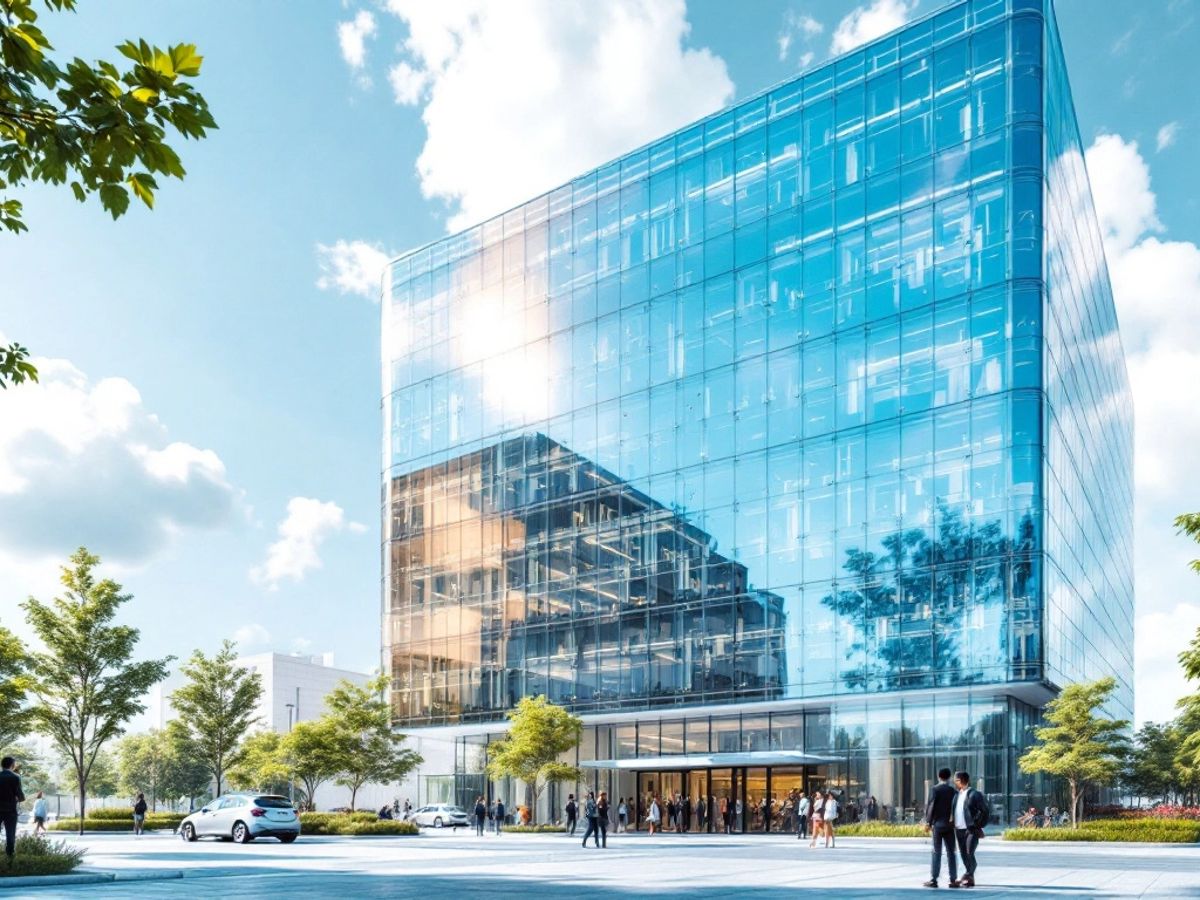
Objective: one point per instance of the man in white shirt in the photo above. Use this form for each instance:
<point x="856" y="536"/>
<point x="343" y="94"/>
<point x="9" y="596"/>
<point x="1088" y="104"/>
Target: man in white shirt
<point x="802" y="818"/>
<point x="971" y="814"/>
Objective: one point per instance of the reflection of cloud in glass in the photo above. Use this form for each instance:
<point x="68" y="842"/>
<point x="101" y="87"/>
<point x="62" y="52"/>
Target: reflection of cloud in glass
<point x="504" y="347"/>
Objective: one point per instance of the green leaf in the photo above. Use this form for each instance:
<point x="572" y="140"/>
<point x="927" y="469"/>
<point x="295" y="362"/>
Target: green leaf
<point x="144" y="94"/>
<point x="185" y="59"/>
<point x="143" y="186"/>
<point x="78" y="191"/>
<point x="115" y="199"/>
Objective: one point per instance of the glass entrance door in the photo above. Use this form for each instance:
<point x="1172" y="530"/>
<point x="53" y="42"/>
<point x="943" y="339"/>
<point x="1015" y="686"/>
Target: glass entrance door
<point x="697" y="796"/>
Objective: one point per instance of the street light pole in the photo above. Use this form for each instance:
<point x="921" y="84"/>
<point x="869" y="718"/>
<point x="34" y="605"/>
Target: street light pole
<point x="292" y="779"/>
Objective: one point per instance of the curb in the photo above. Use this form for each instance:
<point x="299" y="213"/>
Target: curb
<point x="89" y="878"/>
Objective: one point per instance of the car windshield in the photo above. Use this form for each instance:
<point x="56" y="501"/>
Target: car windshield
<point x="272" y="802"/>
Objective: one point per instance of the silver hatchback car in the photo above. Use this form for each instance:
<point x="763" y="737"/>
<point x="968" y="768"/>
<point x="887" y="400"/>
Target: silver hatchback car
<point x="242" y="818"/>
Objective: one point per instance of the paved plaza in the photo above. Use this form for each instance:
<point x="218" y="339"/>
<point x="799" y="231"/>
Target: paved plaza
<point x="436" y="865"/>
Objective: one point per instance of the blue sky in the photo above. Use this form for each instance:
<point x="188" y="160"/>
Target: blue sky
<point x="209" y="421"/>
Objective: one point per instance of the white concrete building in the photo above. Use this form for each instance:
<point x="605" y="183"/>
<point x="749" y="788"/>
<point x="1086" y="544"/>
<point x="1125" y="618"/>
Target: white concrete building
<point x="294" y="690"/>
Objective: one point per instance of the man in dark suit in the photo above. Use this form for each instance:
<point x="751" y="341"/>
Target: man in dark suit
<point x="939" y="818"/>
<point x="971" y="814"/>
<point x="10" y="796"/>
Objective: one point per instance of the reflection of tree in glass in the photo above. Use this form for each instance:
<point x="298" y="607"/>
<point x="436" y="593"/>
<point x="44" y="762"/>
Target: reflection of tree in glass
<point x="910" y="606"/>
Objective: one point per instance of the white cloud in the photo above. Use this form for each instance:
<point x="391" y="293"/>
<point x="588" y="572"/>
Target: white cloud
<point x="865" y="23"/>
<point x="251" y="635"/>
<point x="797" y="26"/>
<point x="1156" y="285"/>
<point x="304" y="529"/>
<point x="84" y="462"/>
<point x="352" y="38"/>
<point x="1166" y="136"/>
<point x="1161" y="636"/>
<point x="351" y="267"/>
<point x="613" y="75"/>
<point x="407" y="83"/>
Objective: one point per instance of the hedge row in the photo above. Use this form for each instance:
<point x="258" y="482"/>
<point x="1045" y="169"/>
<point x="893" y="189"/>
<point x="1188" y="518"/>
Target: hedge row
<point x="39" y="856"/>
<point x="154" y="822"/>
<point x="353" y="824"/>
<point x="1154" y="831"/>
<point x="879" y="829"/>
<point x="123" y="813"/>
<point x="534" y="829"/>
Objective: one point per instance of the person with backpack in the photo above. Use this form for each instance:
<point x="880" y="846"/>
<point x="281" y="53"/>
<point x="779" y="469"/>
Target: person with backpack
<point x="602" y="808"/>
<point x="499" y="814"/>
<point x="572" y="813"/>
<point x="591" y="812"/>
<point x="971" y="814"/>
<point x="139" y="814"/>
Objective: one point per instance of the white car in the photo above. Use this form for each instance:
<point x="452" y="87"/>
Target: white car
<point x="441" y="815"/>
<point x="242" y="818"/>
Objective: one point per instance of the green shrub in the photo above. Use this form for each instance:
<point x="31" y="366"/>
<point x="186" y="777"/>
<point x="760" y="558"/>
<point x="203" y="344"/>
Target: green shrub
<point x="379" y="826"/>
<point x="534" y="829"/>
<point x="154" y="822"/>
<point x="40" y="856"/>
<point x="879" y="829"/>
<point x="352" y="823"/>
<point x="1154" y="831"/>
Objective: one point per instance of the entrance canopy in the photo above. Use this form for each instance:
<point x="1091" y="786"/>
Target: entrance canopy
<point x="710" y="760"/>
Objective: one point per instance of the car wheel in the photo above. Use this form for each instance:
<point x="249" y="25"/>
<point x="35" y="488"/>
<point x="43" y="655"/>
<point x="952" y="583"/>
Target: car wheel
<point x="286" y="838"/>
<point x="188" y="832"/>
<point x="437" y="823"/>
<point x="241" y="834"/>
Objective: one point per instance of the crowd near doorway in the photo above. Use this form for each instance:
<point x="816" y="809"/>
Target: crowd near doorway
<point x="737" y="800"/>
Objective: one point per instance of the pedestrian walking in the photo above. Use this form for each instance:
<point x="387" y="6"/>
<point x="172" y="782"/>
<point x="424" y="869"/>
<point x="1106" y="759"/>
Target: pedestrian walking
<point x="939" y="820"/>
<point x="572" y="812"/>
<point x="872" y="809"/>
<point x="498" y="813"/>
<point x="971" y="814"/>
<point x="817" y="825"/>
<point x="622" y="816"/>
<point x="481" y="812"/>
<point x="10" y="796"/>
<point x="802" y="807"/>
<point x="590" y="813"/>
<point x="829" y="816"/>
<point x="701" y="808"/>
<point x="407" y="810"/>
<point x="39" y="813"/>
<point x="139" y="814"/>
<point x="725" y="813"/>
<point x="602" y="817"/>
<point x="654" y="815"/>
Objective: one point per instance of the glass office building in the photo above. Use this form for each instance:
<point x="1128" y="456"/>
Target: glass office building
<point x="792" y="450"/>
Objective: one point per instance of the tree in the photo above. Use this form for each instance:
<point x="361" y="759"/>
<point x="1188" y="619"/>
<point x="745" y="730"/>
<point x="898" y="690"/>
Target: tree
<point x="102" y="129"/>
<point x="185" y="775"/>
<point x="1189" y="659"/>
<point x="367" y="747"/>
<point x="142" y="761"/>
<point x="1151" y="765"/>
<point x="15" y="717"/>
<point x="85" y="683"/>
<point x="309" y="751"/>
<point x="15" y="366"/>
<point x="217" y="706"/>
<point x="105" y="779"/>
<point x="261" y="766"/>
<point x="540" y="733"/>
<point x="35" y="774"/>
<point x="1078" y="745"/>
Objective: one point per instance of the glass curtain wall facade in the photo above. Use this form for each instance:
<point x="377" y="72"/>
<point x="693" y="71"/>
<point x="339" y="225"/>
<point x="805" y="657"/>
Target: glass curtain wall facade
<point x="818" y="403"/>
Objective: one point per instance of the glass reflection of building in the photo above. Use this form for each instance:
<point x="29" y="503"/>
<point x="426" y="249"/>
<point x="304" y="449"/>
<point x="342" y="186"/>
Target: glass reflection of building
<point x="793" y="449"/>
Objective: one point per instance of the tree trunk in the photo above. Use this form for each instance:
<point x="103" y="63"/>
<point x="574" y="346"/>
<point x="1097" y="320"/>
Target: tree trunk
<point x="82" y="804"/>
<point x="531" y="801"/>
<point x="353" y="796"/>
<point x="1075" y="798"/>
